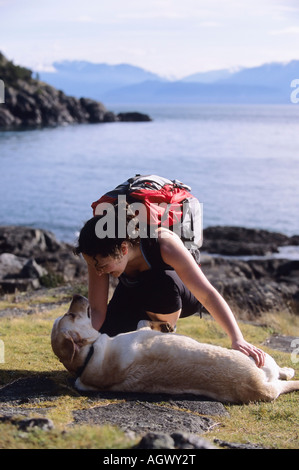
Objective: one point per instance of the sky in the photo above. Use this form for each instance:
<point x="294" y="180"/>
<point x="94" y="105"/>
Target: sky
<point x="173" y="38"/>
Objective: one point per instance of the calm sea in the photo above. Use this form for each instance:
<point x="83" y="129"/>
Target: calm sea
<point x="242" y="162"/>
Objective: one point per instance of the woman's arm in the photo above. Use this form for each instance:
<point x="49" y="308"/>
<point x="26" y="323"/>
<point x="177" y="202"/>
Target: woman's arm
<point x="176" y="255"/>
<point x="98" y="287"/>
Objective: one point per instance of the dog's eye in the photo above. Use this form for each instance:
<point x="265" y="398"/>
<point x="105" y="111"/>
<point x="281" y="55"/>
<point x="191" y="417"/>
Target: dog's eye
<point x="72" y="315"/>
<point x="88" y="312"/>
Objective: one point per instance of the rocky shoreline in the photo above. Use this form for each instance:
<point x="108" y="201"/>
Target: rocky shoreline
<point x="30" y="103"/>
<point x="32" y="258"/>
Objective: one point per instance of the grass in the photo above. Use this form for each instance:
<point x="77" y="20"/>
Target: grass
<point x="28" y="352"/>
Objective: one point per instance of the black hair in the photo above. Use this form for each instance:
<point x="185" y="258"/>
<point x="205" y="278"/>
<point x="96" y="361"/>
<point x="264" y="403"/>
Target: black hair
<point x="91" y="244"/>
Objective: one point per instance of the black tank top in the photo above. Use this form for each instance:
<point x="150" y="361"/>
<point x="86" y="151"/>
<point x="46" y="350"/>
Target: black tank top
<point x="150" y="248"/>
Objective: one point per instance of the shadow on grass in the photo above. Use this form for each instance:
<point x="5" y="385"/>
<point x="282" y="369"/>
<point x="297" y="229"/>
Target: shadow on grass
<point x="25" y="386"/>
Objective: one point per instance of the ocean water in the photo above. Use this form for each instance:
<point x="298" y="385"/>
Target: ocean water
<point x="242" y="163"/>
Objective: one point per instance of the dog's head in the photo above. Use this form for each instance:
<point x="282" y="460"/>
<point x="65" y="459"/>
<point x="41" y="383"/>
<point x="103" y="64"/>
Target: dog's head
<point x="71" y="332"/>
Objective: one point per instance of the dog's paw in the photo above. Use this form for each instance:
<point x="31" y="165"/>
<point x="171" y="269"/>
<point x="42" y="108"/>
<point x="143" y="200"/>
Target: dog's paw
<point x="84" y="388"/>
<point x="162" y="326"/>
<point x="286" y="373"/>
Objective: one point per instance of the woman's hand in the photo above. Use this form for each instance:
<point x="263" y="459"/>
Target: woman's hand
<point x="250" y="350"/>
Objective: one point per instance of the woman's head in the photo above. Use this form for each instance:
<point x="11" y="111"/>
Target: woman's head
<point x="95" y="239"/>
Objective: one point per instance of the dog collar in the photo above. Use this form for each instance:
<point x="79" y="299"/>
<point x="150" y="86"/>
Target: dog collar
<point x="88" y="357"/>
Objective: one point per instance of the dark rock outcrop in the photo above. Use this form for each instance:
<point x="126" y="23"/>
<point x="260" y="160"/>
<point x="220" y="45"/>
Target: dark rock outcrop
<point x="133" y="117"/>
<point x="31" y="258"/>
<point x="30" y="103"/>
<point x="240" y="241"/>
<point x="254" y="286"/>
<point x="37" y="104"/>
<point x="176" y="440"/>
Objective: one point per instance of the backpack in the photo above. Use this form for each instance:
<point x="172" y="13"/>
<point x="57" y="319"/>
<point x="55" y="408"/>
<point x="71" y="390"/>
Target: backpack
<point x="160" y="202"/>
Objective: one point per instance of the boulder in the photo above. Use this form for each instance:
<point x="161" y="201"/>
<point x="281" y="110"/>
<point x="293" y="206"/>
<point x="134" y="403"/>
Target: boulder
<point x="10" y="264"/>
<point x="255" y="286"/>
<point x="240" y="241"/>
<point x="133" y="117"/>
<point x="176" y="440"/>
<point x="31" y="258"/>
<point x="27" y="241"/>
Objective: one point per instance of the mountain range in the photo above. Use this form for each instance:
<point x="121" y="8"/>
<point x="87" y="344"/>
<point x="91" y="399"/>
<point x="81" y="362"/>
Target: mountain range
<point x="124" y="83"/>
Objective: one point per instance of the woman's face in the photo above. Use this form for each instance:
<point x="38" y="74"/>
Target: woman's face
<point x="108" y="265"/>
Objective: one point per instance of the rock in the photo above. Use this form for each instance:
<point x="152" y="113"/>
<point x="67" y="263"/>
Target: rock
<point x="176" y="440"/>
<point x="10" y="264"/>
<point x="27" y="241"/>
<point x="251" y="286"/>
<point x="133" y="117"/>
<point x="32" y="257"/>
<point x="37" y="104"/>
<point x="95" y="111"/>
<point x="183" y="440"/>
<point x="7" y="119"/>
<point x="32" y="103"/>
<point x="283" y="343"/>
<point x="255" y="286"/>
<point x="141" y="417"/>
<point x="237" y="445"/>
<point x="110" y="117"/>
<point x="10" y="286"/>
<point x="288" y="270"/>
<point x="32" y="270"/>
<point x="154" y="440"/>
<point x="29" y="423"/>
<point x="240" y="241"/>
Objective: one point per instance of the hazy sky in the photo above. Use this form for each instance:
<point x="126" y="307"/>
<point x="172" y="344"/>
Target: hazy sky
<point x="170" y="37"/>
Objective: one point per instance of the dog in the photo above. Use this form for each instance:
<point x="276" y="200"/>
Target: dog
<point x="147" y="360"/>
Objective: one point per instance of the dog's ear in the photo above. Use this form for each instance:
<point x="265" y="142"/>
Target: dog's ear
<point x="72" y="342"/>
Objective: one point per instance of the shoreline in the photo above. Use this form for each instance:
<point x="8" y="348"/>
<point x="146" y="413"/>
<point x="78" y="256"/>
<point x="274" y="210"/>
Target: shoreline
<point x="244" y="265"/>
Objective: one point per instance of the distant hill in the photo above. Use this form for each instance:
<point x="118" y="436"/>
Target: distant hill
<point x="275" y="75"/>
<point x="79" y="78"/>
<point x="124" y="83"/>
<point x="191" y="93"/>
<point x="208" y="77"/>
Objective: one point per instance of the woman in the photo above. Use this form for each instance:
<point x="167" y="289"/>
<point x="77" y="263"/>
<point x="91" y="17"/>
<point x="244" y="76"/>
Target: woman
<point x="159" y="280"/>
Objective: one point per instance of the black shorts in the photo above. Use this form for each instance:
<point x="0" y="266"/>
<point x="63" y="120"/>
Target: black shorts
<point x="160" y="292"/>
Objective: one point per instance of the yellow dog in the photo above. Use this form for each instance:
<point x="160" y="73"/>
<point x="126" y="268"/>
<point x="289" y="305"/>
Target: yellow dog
<point x="150" y="361"/>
